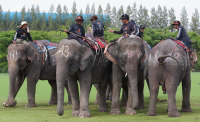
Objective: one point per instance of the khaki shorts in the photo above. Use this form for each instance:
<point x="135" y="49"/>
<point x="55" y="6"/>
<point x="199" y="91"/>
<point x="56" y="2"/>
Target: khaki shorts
<point x="20" y="41"/>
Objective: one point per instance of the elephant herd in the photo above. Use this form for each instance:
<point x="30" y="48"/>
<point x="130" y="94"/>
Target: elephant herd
<point x="124" y="64"/>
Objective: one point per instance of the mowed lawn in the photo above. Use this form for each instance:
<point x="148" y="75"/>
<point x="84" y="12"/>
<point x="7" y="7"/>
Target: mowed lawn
<point x="45" y="113"/>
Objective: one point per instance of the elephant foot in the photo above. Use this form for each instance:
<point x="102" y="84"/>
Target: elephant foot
<point x="174" y="114"/>
<point x="151" y="113"/>
<point x="130" y="111"/>
<point x="30" y="105"/>
<point x="10" y="104"/>
<point x="75" y="113"/>
<point x="84" y="114"/>
<point x="186" y="109"/>
<point x="122" y="104"/>
<point x="115" y="112"/>
<point x="139" y="107"/>
<point x="103" y="109"/>
<point x="52" y="103"/>
<point x="96" y="103"/>
<point x="69" y="103"/>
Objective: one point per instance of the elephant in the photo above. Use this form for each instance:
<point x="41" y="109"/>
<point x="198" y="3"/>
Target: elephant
<point x="128" y="56"/>
<point x="168" y="65"/>
<point x="77" y="62"/>
<point x="24" y="61"/>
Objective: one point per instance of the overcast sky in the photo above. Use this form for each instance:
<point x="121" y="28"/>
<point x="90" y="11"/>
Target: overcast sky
<point x="44" y="5"/>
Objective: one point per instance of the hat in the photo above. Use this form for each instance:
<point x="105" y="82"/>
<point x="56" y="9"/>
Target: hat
<point x="22" y="23"/>
<point x="79" y="18"/>
<point x="176" y="23"/>
<point x="125" y="16"/>
<point x="94" y="17"/>
<point x="142" y="27"/>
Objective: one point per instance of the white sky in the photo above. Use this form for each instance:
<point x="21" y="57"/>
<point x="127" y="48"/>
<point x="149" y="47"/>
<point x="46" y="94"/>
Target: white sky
<point x="44" y="5"/>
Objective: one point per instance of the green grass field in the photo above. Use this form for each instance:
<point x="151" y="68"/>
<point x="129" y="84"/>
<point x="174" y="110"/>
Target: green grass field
<point x="45" y="113"/>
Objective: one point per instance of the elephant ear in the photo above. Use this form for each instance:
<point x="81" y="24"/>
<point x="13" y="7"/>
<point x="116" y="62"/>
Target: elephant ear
<point x="86" y="57"/>
<point x="112" y="52"/>
<point x="30" y="51"/>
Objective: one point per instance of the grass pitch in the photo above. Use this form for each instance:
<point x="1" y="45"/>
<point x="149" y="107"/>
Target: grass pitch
<point x="45" y="113"/>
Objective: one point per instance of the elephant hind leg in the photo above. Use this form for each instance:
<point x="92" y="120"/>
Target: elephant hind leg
<point x="171" y="87"/>
<point x="154" y="87"/>
<point x="186" y="85"/>
<point x="53" y="98"/>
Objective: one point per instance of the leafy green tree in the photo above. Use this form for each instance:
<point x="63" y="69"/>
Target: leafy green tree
<point x="154" y="18"/>
<point x="172" y="18"/>
<point x="65" y="16"/>
<point x="184" y="19"/>
<point x="165" y="17"/>
<point x="134" y="13"/>
<point x="44" y="21"/>
<point x="87" y="12"/>
<point x="100" y="13"/>
<point x="129" y="10"/>
<point x="33" y="24"/>
<point x="160" y="17"/>
<point x="23" y="14"/>
<point x="58" y="16"/>
<point x="1" y="18"/>
<point x="93" y="10"/>
<point x="38" y="18"/>
<point x="114" y="17"/>
<point x="74" y="12"/>
<point x="7" y="20"/>
<point x="50" y="18"/>
<point x="108" y="14"/>
<point x="195" y="24"/>
<point x="28" y="16"/>
<point x="119" y="14"/>
<point x="14" y="21"/>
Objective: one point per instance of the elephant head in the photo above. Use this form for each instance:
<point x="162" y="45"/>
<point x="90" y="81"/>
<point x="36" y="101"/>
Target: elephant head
<point x="128" y="54"/>
<point x="19" y="58"/>
<point x="193" y="58"/>
<point x="71" y="57"/>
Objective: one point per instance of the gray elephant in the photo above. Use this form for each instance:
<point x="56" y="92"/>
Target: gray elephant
<point x="77" y="62"/>
<point x="128" y="56"/>
<point x="24" y="61"/>
<point x="168" y="65"/>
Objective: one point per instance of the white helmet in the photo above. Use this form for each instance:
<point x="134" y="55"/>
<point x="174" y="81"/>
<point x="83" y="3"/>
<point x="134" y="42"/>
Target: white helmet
<point x="22" y="23"/>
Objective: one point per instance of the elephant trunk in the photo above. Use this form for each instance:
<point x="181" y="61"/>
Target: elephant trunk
<point x="13" y="70"/>
<point x="61" y="76"/>
<point x="133" y="79"/>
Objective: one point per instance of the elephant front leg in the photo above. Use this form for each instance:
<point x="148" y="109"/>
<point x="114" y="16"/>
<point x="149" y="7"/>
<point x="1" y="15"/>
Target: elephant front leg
<point x="129" y="109"/>
<point x="73" y="88"/>
<point x="85" y="85"/>
<point x="18" y="83"/>
<point x="186" y="85"/>
<point x="68" y="93"/>
<point x="53" y="99"/>
<point x="117" y="84"/>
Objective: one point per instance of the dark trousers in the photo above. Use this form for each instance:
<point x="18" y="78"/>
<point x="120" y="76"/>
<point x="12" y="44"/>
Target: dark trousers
<point x="72" y="36"/>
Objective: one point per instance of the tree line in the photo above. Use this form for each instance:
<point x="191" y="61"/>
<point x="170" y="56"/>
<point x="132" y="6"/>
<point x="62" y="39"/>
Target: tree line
<point x="59" y="16"/>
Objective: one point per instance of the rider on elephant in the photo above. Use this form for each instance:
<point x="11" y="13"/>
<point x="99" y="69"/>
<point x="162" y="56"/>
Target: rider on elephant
<point x="22" y="33"/>
<point x="140" y="34"/>
<point x="182" y="35"/>
<point x="97" y="27"/>
<point x="127" y="27"/>
<point x="77" y="29"/>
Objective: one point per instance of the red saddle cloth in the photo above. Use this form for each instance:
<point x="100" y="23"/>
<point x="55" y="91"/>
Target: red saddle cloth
<point x="182" y="45"/>
<point x="101" y="43"/>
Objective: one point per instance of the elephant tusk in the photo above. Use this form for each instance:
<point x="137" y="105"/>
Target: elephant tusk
<point x="126" y="75"/>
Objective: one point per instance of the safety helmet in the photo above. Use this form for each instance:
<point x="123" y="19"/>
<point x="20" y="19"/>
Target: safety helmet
<point x="79" y="18"/>
<point x="125" y="16"/>
<point x="94" y="17"/>
<point x="176" y="23"/>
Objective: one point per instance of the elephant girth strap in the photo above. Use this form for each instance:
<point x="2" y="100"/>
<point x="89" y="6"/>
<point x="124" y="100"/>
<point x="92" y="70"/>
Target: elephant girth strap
<point x="108" y="55"/>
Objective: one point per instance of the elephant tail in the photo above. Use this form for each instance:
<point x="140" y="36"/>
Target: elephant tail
<point x="161" y="60"/>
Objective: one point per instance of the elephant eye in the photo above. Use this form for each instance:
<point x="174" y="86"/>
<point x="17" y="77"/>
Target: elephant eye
<point x="124" y="58"/>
